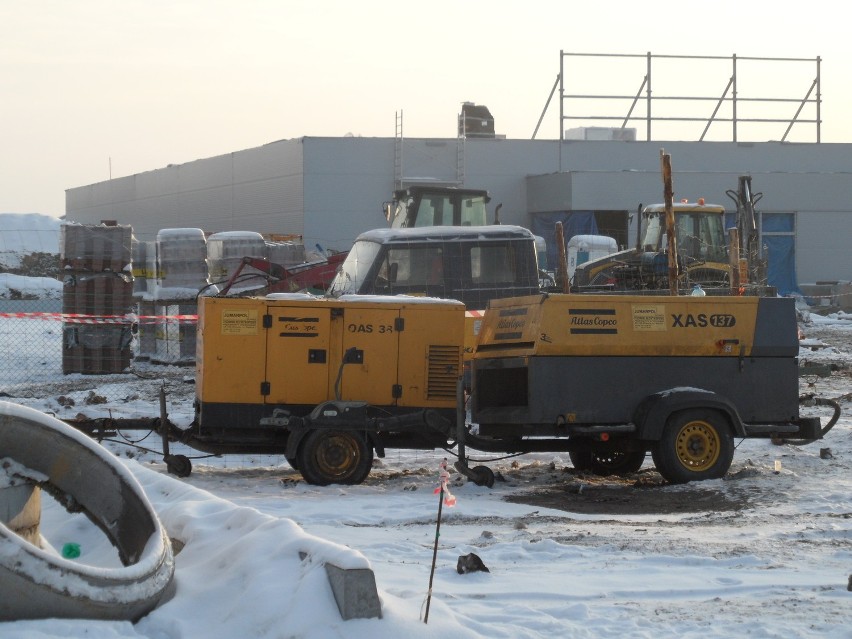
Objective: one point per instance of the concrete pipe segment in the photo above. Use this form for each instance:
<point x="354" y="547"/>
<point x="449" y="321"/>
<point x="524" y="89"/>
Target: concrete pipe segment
<point x="35" y="583"/>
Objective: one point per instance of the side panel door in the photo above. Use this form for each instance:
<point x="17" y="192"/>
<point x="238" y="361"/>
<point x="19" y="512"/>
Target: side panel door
<point x="372" y="377"/>
<point x="297" y="354"/>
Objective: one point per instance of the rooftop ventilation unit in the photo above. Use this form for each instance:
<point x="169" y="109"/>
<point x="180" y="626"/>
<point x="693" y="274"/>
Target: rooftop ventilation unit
<point x="475" y="121"/>
<point x="601" y="133"/>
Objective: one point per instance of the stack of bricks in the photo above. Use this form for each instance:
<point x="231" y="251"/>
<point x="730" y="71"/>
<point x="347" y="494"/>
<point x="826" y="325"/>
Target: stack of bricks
<point x="97" y="298"/>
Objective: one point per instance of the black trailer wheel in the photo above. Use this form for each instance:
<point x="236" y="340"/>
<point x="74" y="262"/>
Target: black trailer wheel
<point x="696" y="444"/>
<point x="616" y="462"/>
<point x="293" y="463"/>
<point x="334" y="457"/>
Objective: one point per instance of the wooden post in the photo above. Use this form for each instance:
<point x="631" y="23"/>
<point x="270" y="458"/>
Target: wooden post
<point x="671" y="237"/>
<point x="562" y="265"/>
<point x="434" y="554"/>
<point x="734" y="258"/>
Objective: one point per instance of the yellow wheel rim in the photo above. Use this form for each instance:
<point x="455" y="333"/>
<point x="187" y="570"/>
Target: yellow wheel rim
<point x="337" y="455"/>
<point x="697" y="446"/>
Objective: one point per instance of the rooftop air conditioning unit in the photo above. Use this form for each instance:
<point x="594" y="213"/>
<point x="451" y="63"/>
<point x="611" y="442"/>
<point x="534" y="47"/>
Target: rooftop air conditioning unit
<point x="601" y="133"/>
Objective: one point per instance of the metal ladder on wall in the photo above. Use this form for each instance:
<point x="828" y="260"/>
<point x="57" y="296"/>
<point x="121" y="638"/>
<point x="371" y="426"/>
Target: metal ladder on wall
<point x="399" y="179"/>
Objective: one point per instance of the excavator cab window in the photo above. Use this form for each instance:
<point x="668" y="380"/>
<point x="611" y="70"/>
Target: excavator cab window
<point x="435" y="211"/>
<point x="652" y="232"/>
<point x="714" y="246"/>
<point x="701" y="236"/>
<point x="473" y="212"/>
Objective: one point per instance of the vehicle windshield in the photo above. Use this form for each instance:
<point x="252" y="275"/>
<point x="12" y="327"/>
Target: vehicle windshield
<point x="355" y="268"/>
<point x="700" y="236"/>
<point x="441" y="210"/>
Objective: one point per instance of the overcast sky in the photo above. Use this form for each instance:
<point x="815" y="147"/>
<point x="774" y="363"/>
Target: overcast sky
<point x="93" y="88"/>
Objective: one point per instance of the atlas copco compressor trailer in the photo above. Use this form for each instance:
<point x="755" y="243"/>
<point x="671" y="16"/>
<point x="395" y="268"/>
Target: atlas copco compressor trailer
<point x="607" y="378"/>
<point x="610" y="378"/>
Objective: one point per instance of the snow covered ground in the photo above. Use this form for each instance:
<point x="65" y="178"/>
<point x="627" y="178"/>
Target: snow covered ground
<point x="25" y="233"/>
<point x="759" y="553"/>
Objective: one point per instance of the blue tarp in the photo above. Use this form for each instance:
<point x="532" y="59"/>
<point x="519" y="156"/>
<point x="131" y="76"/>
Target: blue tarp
<point x="779" y="251"/>
<point x="573" y="223"/>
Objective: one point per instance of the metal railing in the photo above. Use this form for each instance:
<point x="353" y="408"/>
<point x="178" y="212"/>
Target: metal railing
<point x="671" y="82"/>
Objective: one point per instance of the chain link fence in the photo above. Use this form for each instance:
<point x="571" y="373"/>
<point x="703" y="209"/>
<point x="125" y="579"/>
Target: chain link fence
<point x="37" y="337"/>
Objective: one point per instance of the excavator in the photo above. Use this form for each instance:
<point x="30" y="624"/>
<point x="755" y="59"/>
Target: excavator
<point x="703" y="252"/>
<point x="745" y="200"/>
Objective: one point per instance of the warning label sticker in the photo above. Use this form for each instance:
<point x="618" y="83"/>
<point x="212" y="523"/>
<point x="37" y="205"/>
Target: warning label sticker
<point x="649" y="317"/>
<point x="239" y="322"/>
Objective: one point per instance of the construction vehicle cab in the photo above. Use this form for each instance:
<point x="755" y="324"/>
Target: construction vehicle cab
<point x="471" y="264"/>
<point x="701" y="249"/>
<point x="437" y="206"/>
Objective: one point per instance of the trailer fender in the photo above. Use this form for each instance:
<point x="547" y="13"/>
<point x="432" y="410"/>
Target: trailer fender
<point x="651" y="414"/>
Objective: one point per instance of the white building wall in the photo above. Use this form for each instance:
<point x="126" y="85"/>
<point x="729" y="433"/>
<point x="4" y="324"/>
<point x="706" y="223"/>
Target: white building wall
<point x="256" y="189"/>
<point x="346" y="181"/>
<point x="332" y="189"/>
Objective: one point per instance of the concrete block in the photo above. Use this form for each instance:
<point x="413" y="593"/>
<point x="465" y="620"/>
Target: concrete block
<point x="355" y="592"/>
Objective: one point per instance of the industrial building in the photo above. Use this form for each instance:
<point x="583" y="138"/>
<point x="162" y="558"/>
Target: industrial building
<point x="329" y="189"/>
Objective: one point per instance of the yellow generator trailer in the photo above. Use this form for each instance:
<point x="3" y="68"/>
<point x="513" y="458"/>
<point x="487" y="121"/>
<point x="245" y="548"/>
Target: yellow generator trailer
<point x="329" y="383"/>
<point x="609" y="378"/>
<point x="326" y="381"/>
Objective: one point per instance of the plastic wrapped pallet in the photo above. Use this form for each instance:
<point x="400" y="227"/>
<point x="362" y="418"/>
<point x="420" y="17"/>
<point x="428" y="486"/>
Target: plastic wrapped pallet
<point x="175" y="336"/>
<point x="182" y="263"/>
<point x="286" y="253"/>
<point x="139" y="257"/>
<point x="225" y="253"/>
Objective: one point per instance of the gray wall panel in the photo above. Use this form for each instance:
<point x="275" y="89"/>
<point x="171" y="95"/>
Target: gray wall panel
<point x="205" y="174"/>
<point x="164" y="181"/>
<point x="822" y="246"/>
<point x="346" y="181"/>
<point x="268" y="206"/>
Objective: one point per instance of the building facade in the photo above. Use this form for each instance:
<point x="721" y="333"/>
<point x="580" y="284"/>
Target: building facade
<point x="328" y="190"/>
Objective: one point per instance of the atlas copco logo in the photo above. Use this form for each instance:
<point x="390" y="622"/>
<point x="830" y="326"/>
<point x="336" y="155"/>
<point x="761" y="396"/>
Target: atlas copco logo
<point x="701" y="320"/>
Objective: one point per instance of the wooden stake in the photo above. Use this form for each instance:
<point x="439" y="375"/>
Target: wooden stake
<point x="562" y="266"/>
<point x="671" y="237"/>
<point x="434" y="554"/>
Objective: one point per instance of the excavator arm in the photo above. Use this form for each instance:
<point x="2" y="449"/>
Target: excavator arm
<point x="317" y="275"/>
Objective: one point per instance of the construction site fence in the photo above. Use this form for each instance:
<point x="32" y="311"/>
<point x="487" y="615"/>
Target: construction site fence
<point x="50" y="353"/>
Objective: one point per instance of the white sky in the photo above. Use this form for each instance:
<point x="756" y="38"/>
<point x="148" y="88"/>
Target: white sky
<point x="94" y="86"/>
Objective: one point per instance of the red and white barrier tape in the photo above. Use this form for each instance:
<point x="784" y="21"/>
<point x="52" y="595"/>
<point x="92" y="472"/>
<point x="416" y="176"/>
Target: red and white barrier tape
<point x="80" y="318"/>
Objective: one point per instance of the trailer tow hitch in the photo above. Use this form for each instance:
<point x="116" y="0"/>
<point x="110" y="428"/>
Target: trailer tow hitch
<point x="809" y="400"/>
<point x="479" y="475"/>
